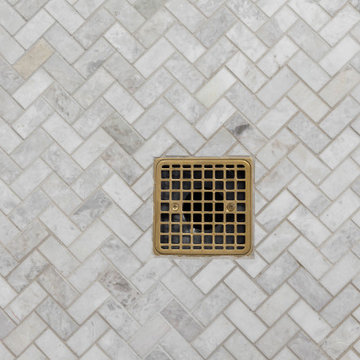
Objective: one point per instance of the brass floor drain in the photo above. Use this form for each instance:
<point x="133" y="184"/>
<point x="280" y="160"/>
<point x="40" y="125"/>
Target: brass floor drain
<point x="203" y="206"/>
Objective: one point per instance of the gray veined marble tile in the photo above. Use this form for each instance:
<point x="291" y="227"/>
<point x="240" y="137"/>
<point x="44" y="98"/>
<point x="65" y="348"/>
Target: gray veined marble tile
<point x="119" y="287"/>
<point x="30" y="238"/>
<point x="305" y="349"/>
<point x="315" y="294"/>
<point x="58" y="287"/>
<point x="119" y="319"/>
<point x="120" y="255"/>
<point x="28" y="210"/>
<point x="144" y="306"/>
<point x="177" y="316"/>
<point x="280" y="269"/>
<point x="126" y="74"/>
<point x="89" y="333"/>
<point x="88" y="33"/>
<point x="123" y="133"/>
<point x="7" y="261"/>
<point x="27" y="271"/>
<point x="115" y="346"/>
<point x="216" y="301"/>
<point x="121" y="162"/>
<point x="215" y="27"/>
<point x="6" y="325"/>
<point x="10" y="80"/>
<point x="65" y="74"/>
<point x="57" y="318"/>
<point x="62" y="163"/>
<point x="91" y="209"/>
<point x="31" y="148"/>
<point x="63" y="103"/>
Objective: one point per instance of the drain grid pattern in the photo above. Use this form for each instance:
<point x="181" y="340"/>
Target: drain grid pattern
<point x="202" y="206"/>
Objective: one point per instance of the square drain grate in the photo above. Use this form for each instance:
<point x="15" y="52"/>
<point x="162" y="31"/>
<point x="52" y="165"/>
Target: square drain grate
<point x="203" y="206"/>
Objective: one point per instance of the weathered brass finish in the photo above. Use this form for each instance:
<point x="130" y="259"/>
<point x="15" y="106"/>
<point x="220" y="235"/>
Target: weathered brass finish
<point x="203" y="206"/>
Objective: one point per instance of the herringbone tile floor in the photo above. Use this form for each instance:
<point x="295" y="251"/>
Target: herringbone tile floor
<point x="91" y="91"/>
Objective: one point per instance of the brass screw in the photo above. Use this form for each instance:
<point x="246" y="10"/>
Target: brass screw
<point x="230" y="207"/>
<point x="175" y="207"/>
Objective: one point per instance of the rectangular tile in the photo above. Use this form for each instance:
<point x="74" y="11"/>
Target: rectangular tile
<point x="245" y="320"/>
<point x="29" y="209"/>
<point x="31" y="148"/>
<point x="245" y="288"/>
<point x="277" y="210"/>
<point x="213" y="304"/>
<point x="339" y="55"/>
<point x="93" y="117"/>
<point x="341" y="338"/>
<point x="26" y="302"/>
<point x="183" y="287"/>
<point x="340" y="210"/>
<point x="311" y="12"/>
<point x="65" y="14"/>
<point x="119" y="319"/>
<point x="59" y="256"/>
<point x="56" y="318"/>
<point x="181" y="320"/>
<point x="277" y="336"/>
<point x="309" y="257"/>
<point x="25" y="334"/>
<point x="211" y="274"/>
<point x="62" y="227"/>
<point x="88" y="302"/>
<point x="277" y="87"/>
<point x="277" y="272"/>
<point x="341" y="273"/>
<point x="125" y="43"/>
<point x="277" y="304"/>
<point x="34" y="28"/>
<point x="215" y="87"/>
<point x="246" y="41"/>
<point x="340" y="148"/>
<point x="64" y="43"/>
<point x="27" y="271"/>
<point x="308" y="101"/>
<point x="154" y="57"/>
<point x="310" y="321"/>
<point x="185" y="42"/>
<point x="88" y="334"/>
<point x="120" y="255"/>
<point x="342" y="115"/>
<point x="309" y="195"/>
<point x="309" y="71"/>
<point x="239" y="346"/>
<point x="62" y="163"/>
<point x="121" y="225"/>
<point x="53" y="347"/>
<point x="309" y="133"/>
<point x="213" y="336"/>
<point x="340" y="84"/>
<point x="128" y="107"/>
<point x="92" y="148"/>
<point x="341" y="306"/>
<point x="149" y="335"/>
<point x="178" y="348"/>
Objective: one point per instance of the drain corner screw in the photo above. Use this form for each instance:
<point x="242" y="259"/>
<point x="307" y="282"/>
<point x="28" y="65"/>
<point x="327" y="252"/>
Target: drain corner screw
<point x="230" y="207"/>
<point x="175" y="207"/>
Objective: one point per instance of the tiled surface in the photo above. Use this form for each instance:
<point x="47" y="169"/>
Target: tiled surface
<point x="92" y="91"/>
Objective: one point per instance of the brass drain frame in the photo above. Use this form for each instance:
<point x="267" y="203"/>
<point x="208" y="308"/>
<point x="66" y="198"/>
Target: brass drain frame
<point x="203" y="206"/>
